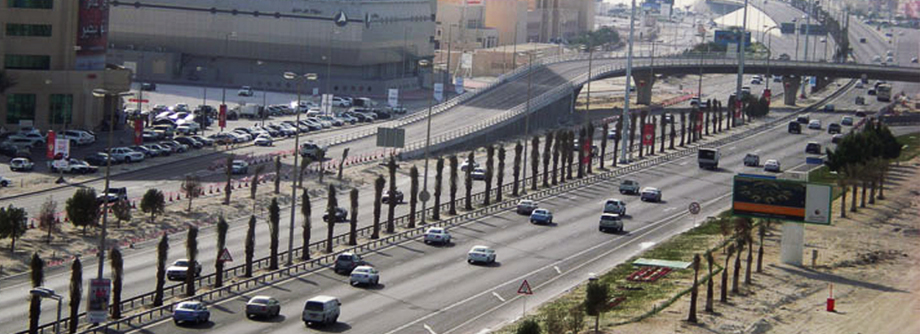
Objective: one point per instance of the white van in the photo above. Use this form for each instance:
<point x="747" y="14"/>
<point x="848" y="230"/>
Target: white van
<point x="321" y="310"/>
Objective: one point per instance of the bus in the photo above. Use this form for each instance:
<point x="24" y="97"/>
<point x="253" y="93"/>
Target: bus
<point x="883" y="93"/>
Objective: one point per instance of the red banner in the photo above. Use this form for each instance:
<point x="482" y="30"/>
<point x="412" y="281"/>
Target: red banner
<point x="738" y="109"/>
<point x="586" y="147"/>
<point x="138" y="131"/>
<point x="648" y="134"/>
<point x="50" y="142"/>
<point x="699" y="122"/>
<point x="767" y="94"/>
<point x="222" y="116"/>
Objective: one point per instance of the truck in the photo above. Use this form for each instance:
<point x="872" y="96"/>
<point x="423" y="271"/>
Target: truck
<point x="248" y="110"/>
<point x="708" y="158"/>
<point x="883" y="93"/>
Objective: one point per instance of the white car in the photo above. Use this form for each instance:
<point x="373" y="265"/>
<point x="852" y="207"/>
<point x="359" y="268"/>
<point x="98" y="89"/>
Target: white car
<point x="814" y="124"/>
<point x="616" y="206"/>
<point x="127" y="155"/>
<point x="5" y="182"/>
<point x="240" y="136"/>
<point x="771" y="166"/>
<point x="466" y="164"/>
<point x="437" y="235"/>
<point x="526" y="206"/>
<point x="481" y="254"/>
<point x="263" y="140"/>
<point x="364" y="275"/>
<point x="187" y="127"/>
<point x="245" y="91"/>
<point x="78" y="137"/>
<point x="339" y="101"/>
<point x="33" y="137"/>
<point x="21" y="164"/>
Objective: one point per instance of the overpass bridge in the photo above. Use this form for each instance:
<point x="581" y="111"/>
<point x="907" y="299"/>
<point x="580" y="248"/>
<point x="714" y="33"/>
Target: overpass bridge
<point x="491" y="113"/>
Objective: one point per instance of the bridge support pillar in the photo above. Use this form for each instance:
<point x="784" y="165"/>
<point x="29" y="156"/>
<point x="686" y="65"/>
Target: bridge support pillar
<point x="644" y="82"/>
<point x="791" y="84"/>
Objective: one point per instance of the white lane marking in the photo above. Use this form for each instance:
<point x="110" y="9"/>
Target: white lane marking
<point x="732" y="148"/>
<point x="431" y="331"/>
<point x="670" y="209"/>
<point x="684" y="163"/>
<point x="646" y="245"/>
<point x="557" y="269"/>
<point x="484" y="331"/>
<point x="498" y="296"/>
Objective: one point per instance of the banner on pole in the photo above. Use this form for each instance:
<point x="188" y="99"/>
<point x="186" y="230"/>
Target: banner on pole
<point x="647" y="134"/>
<point x="50" y="151"/>
<point x="98" y="300"/>
<point x="439" y="91"/>
<point x="222" y="116"/>
<point x="138" y="131"/>
<point x="458" y="84"/>
<point x="393" y="97"/>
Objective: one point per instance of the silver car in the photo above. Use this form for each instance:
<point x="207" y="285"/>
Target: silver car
<point x="263" y="306"/>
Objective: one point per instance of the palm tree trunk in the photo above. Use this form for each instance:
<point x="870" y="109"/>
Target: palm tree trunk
<point x="881" y="183"/>
<point x="501" y="174"/>
<point x="709" y="284"/>
<point x="855" y="195"/>
<point x="694" y="288"/>
<point x="736" y="275"/>
<point x="438" y="183"/>
<point x="724" y="294"/>
<point x="872" y="191"/>
<point x="750" y="261"/>
<point x="843" y="201"/>
<point x="862" y="202"/>
<point x="683" y="128"/>
<point x="761" y="231"/>
<point x="453" y="186"/>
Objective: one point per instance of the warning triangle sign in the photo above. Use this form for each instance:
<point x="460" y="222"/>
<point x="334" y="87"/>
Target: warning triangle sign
<point x="225" y="256"/>
<point x="525" y="288"/>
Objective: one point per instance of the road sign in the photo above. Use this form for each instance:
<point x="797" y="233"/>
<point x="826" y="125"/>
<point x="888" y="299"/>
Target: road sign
<point x="391" y="137"/>
<point x="424" y="196"/>
<point x="525" y="289"/>
<point x="225" y="256"/>
<point x="694" y="208"/>
<point x="340" y="19"/>
<point x="98" y="297"/>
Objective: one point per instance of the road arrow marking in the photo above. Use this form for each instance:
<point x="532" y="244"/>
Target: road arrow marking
<point x="498" y="296"/>
<point x="646" y="245"/>
<point x="557" y="269"/>
<point x="431" y="331"/>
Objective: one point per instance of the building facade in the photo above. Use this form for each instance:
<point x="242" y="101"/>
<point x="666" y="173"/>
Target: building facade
<point x="356" y="47"/>
<point x="54" y="52"/>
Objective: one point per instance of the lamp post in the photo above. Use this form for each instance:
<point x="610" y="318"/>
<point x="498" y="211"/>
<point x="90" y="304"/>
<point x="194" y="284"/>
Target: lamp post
<point x="204" y="103"/>
<point x="106" y="95"/>
<point x="807" y="18"/>
<point x="590" y="62"/>
<point x="531" y="55"/>
<point x="741" y="52"/>
<point x="699" y="88"/>
<point x="223" y="94"/>
<point x="629" y="53"/>
<point x="264" y="111"/>
<point x="425" y="63"/>
<point x="43" y="292"/>
<point x="300" y="79"/>
<point x="769" y="52"/>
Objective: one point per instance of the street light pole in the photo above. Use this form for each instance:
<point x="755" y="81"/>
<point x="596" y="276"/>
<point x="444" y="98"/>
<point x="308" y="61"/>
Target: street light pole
<point x="527" y="119"/>
<point x="300" y="79"/>
<point x="629" y="54"/>
<point x="106" y="95"/>
<point x="43" y="292"/>
<point x="769" y="55"/>
<point x="425" y="63"/>
<point x="741" y="52"/>
<point x="223" y="94"/>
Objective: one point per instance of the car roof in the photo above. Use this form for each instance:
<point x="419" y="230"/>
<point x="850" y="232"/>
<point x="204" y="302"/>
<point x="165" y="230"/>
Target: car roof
<point x="322" y="299"/>
<point x="610" y="215"/>
<point x="364" y="268"/>
<point x="613" y="200"/>
<point x="650" y="189"/>
<point x="480" y="247"/>
<point x="437" y="229"/>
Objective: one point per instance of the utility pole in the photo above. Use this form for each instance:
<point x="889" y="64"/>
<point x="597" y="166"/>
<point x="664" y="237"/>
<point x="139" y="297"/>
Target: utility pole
<point x="741" y="45"/>
<point x="632" y="22"/>
<point x="807" y="32"/>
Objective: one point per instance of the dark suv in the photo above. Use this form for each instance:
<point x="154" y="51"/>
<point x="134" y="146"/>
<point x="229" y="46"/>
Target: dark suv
<point x="813" y="148"/>
<point x="795" y="127"/>
<point x="346" y="262"/>
<point x="341" y="215"/>
<point x="833" y="128"/>
<point x="398" y="197"/>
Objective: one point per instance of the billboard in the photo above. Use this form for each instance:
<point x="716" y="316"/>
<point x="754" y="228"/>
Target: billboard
<point x="812" y="29"/>
<point x="781" y="199"/>
<point x="97" y="305"/>
<point x="787" y="28"/>
<point x="92" y="34"/>
<point x="725" y="37"/>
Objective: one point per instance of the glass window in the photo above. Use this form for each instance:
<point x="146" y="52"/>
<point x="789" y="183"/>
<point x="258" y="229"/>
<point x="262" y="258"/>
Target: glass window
<point x="27" y="62"/>
<point x="40" y="4"/>
<point x="61" y="109"/>
<point x="40" y="30"/>
<point x="20" y="107"/>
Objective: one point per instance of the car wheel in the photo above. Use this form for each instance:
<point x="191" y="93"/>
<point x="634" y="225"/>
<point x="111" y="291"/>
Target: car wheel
<point x="600" y="229"/>
<point x="176" y="321"/>
<point x="376" y="281"/>
<point x="470" y="261"/>
<point x="335" y="319"/>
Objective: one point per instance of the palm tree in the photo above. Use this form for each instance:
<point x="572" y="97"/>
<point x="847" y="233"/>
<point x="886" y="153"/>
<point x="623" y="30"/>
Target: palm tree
<point x="250" y="245"/>
<point x="547" y="148"/>
<point x="651" y="147"/>
<point x="222" y="228"/>
<point x="453" y="185"/>
<point x="331" y="204"/>
<point x="710" y="283"/>
<point x="306" y="210"/>
<point x="277" y="174"/>
<point x="468" y="182"/>
<point x="556" y="151"/>
<point x="642" y="115"/>
<point x="739" y="245"/>
<point x="516" y="172"/>
<point x="118" y="270"/>
<point x="534" y="161"/>
<point x="391" y="203"/>
<point x="693" y="291"/>
<point x="569" y="147"/>
<point x="37" y="267"/>
<point x="378" y="193"/>
<point x="501" y="173"/>
<point x="664" y="130"/>
<point x="750" y="257"/>
<point x="228" y="189"/>
<point x="413" y="195"/>
<point x="490" y="168"/>
<point x="605" y="129"/>
<point x="590" y="153"/>
<point x="581" y="152"/>
<point x="724" y="295"/>
<point x="353" y="222"/>
<point x="274" y="219"/>
<point x="162" y="255"/>
<point x="683" y="128"/>
<point x="673" y="132"/>
<point x="761" y="232"/>
<point x="706" y="121"/>
<point x="191" y="251"/>
<point x="76" y="292"/>
<point x="438" y="180"/>
<point x="616" y="140"/>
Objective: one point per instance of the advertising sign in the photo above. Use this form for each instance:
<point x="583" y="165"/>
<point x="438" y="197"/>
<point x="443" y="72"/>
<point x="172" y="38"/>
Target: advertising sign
<point x="50" y="151"/>
<point x="391" y="137"/>
<point x="458" y="84"/>
<point x="466" y="61"/>
<point x="699" y="122"/>
<point x="138" y="131"/>
<point x="724" y="37"/>
<point x="439" y="91"/>
<point x="393" y="97"/>
<point x="315" y="91"/>
<point x="648" y="133"/>
<point x="782" y="199"/>
<point x="222" y="116"/>
<point x="98" y="300"/>
<point x="61" y="148"/>
<point x="92" y="34"/>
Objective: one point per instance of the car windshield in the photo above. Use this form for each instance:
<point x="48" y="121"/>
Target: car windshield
<point x="181" y="264"/>
<point x="261" y="301"/>
<point x="609" y="217"/>
<point x="707" y="154"/>
<point x="436" y="231"/>
<point x="313" y="306"/>
<point x="188" y="306"/>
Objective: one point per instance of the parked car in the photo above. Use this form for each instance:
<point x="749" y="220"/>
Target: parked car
<point x="21" y="165"/>
<point x="189" y="142"/>
<point x="149" y="86"/>
<point x="163" y="151"/>
<point x="98" y="159"/>
<point x="75" y="166"/>
<point x="21" y="144"/>
<point x="321" y="310"/>
<point x="614" y="205"/>
<point x="650" y="194"/>
<point x="191" y="311"/>
<point x="813" y="148"/>
<point x="610" y="221"/>
<point x="203" y="140"/>
<point x="188" y="128"/>
<point x="752" y="160"/>
<point x="398" y="197"/>
<point x="771" y="166"/>
<point x="263" y="306"/>
<point x="629" y="187"/>
<point x="5" y="182"/>
<point x="346" y="262"/>
<point x="526" y="206"/>
<point x="245" y="91"/>
<point x="149" y="136"/>
<point x="541" y="216"/>
<point x="239" y="167"/>
<point x="478" y="174"/>
<point x="480" y="254"/>
<point x="222" y="138"/>
<point x="366" y="275"/>
<point x="437" y="235"/>
<point x="341" y="215"/>
<point x="833" y="128"/>
<point x="179" y="268"/>
<point x="34" y="137"/>
<point x="177" y="146"/>
<point x="264" y="140"/>
<point x="126" y="155"/>
<point x="78" y="137"/>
